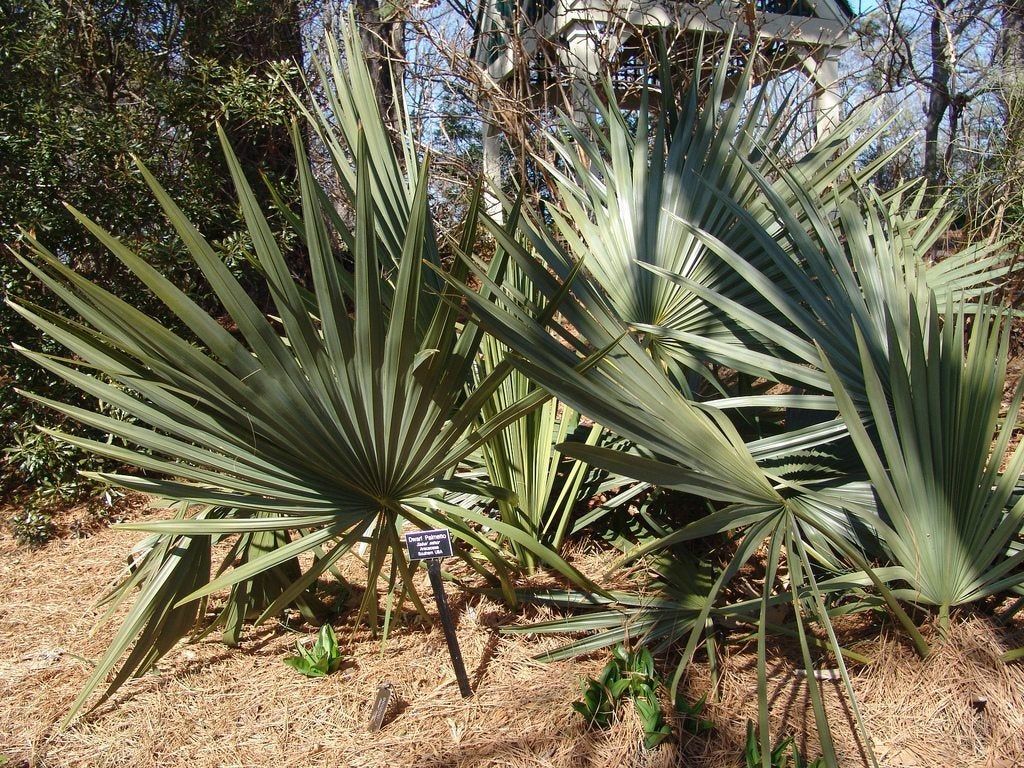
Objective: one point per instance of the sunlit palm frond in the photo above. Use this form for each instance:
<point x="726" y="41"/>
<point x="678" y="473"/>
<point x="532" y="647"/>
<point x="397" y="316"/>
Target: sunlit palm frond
<point x="635" y="185"/>
<point x="340" y="420"/>
<point x="939" y="457"/>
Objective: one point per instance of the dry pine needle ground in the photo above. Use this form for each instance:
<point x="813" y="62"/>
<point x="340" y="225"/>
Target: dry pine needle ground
<point x="209" y="705"/>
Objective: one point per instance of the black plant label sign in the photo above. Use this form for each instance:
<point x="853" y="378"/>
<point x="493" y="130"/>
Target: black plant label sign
<point x="432" y="546"/>
<point x="429" y="545"/>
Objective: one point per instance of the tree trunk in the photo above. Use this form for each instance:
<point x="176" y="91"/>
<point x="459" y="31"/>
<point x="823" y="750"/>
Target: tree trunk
<point x="1012" y="12"/>
<point x="1011" y="173"/>
<point x="938" y="100"/>
<point x="383" y="40"/>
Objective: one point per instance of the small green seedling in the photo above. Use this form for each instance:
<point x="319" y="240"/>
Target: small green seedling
<point x="600" y="697"/>
<point x="319" y="660"/>
<point x="690" y="715"/>
<point x="629" y="674"/>
<point x="784" y="754"/>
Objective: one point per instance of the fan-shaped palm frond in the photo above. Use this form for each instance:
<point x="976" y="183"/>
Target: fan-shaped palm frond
<point x="340" y="421"/>
<point x="840" y="276"/>
<point x="934" y="449"/>
<point x="635" y="187"/>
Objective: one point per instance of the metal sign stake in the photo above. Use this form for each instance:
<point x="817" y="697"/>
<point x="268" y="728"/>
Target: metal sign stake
<point x="432" y="546"/>
<point x="434" y="571"/>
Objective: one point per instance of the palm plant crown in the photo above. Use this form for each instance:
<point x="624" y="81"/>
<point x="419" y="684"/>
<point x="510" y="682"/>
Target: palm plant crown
<point x="337" y="421"/>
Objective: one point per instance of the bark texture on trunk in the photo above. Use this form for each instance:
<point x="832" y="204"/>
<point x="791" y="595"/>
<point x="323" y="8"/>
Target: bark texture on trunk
<point x="382" y="34"/>
<point x="939" y="99"/>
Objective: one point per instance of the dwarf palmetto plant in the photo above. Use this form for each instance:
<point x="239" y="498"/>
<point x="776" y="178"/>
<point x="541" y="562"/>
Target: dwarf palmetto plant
<point x="631" y="189"/>
<point x="935" y="450"/>
<point x="339" y="421"/>
<point x="842" y="282"/>
<point x="825" y="273"/>
<point x="592" y="362"/>
<point x="839" y="279"/>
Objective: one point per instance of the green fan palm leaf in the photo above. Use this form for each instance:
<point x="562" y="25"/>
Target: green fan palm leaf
<point x="634" y="189"/>
<point x="338" y="420"/>
<point x="838" y="277"/>
<point x="935" y="449"/>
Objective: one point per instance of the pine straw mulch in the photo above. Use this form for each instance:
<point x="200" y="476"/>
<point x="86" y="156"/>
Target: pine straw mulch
<point x="209" y="705"/>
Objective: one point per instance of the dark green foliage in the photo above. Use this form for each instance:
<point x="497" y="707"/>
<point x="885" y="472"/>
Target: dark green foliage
<point x="31" y="525"/>
<point x="48" y="470"/>
<point x="87" y="84"/>
<point x="319" y="660"/>
<point x="48" y="464"/>
<point x="627" y="675"/>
